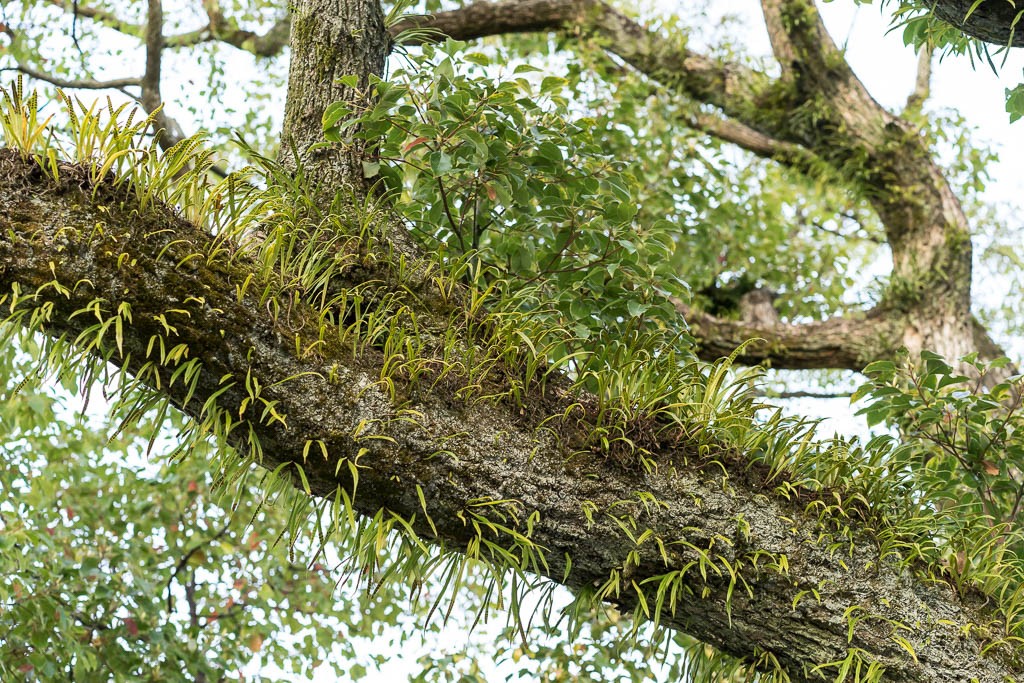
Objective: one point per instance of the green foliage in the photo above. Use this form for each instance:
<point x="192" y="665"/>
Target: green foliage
<point x="122" y="564"/>
<point x="967" y="436"/>
<point x="382" y="549"/>
<point x="558" y="183"/>
<point x="494" y="168"/>
<point x="963" y="447"/>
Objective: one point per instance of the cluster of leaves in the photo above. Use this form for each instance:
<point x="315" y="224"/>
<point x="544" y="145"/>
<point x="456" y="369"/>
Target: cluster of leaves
<point x="603" y="201"/>
<point x="962" y="454"/>
<point x="964" y="441"/>
<point x="492" y="167"/>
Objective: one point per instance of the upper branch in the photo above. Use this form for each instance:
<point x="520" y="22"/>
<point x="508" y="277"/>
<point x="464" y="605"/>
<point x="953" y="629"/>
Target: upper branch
<point x="220" y="28"/>
<point x="994" y="21"/>
<point x="846" y="342"/>
<point x="922" y="80"/>
<point x="223" y="29"/>
<point x="729" y="86"/>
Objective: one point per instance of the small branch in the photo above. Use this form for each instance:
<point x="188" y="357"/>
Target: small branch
<point x="76" y="83"/>
<point x="183" y="562"/>
<point x="222" y="29"/>
<point x="804" y="394"/>
<point x="151" y="98"/>
<point x="755" y="141"/>
<point x="802" y="221"/>
<point x="922" y="82"/>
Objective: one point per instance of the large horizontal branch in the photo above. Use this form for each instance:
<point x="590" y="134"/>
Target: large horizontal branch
<point x="434" y="458"/>
<point x="841" y="343"/>
<point x="994" y="21"/>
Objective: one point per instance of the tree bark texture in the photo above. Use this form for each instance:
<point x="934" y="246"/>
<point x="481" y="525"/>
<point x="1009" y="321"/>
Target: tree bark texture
<point x="994" y="21"/>
<point x="331" y="40"/>
<point x="462" y="454"/>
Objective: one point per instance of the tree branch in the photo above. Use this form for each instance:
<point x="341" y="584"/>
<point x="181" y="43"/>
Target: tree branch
<point x="435" y="459"/>
<point x="819" y="107"/>
<point x="151" y="99"/>
<point x="922" y="81"/>
<point x="844" y="343"/>
<point x="101" y="16"/>
<point x="993" y="21"/>
<point x="219" y="28"/>
<point x="75" y="83"/>
<point x="727" y="85"/>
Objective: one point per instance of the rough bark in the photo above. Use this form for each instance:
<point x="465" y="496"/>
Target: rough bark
<point x="994" y="21"/>
<point x="460" y="453"/>
<point x="330" y="40"/>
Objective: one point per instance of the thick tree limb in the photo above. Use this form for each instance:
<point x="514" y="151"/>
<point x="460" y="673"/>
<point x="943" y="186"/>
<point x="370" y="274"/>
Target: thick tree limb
<point x="847" y="343"/>
<point x="462" y="454"/>
<point x="926" y="227"/>
<point x="994" y="21"/>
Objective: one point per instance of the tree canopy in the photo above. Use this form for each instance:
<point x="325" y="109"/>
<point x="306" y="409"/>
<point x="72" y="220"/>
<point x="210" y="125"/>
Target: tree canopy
<point x="488" y="317"/>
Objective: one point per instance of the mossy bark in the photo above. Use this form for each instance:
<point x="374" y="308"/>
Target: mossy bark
<point x="458" y="453"/>
<point x="431" y="456"/>
<point x="994" y="21"/>
<point x="331" y="39"/>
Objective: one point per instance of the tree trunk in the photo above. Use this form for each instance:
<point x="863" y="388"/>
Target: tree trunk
<point x="331" y="39"/>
